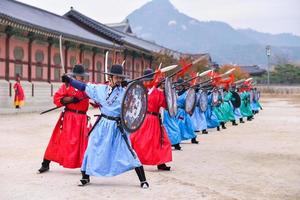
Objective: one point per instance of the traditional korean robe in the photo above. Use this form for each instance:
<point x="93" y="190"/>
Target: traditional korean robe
<point x="184" y="120"/>
<point x="19" y="95"/>
<point x="70" y="135"/>
<point x="211" y="118"/>
<point x="150" y="141"/>
<point x="107" y="153"/>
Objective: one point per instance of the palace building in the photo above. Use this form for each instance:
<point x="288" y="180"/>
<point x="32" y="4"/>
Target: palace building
<point x="29" y="46"/>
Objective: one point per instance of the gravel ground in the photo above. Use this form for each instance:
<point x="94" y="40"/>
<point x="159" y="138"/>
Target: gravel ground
<point x="256" y="160"/>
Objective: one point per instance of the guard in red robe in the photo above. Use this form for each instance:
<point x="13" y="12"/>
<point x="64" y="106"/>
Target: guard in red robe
<point x="19" y="93"/>
<point x="70" y="135"/>
<point x="150" y="141"/>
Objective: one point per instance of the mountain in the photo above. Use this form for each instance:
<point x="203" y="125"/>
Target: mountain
<point x="161" y="22"/>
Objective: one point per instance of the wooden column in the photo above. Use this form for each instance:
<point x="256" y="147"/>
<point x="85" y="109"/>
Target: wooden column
<point x="132" y="65"/>
<point x="7" y="48"/>
<point x="94" y="64"/>
<point x="50" y="43"/>
<point x="29" y="59"/>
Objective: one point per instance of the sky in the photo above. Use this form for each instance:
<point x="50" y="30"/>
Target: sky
<point x="269" y="16"/>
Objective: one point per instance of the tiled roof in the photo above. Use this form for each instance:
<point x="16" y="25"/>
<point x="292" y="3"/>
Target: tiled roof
<point x="47" y="21"/>
<point x="128" y="39"/>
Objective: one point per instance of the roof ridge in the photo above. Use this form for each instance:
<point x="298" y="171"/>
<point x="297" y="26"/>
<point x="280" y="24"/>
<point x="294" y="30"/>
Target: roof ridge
<point x="36" y="8"/>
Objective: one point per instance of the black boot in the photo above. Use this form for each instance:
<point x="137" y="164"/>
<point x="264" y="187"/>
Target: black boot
<point x="194" y="141"/>
<point x="218" y="128"/>
<point x="141" y="174"/>
<point x="249" y="118"/>
<point x="85" y="179"/>
<point x="234" y="123"/>
<point x="204" y="131"/>
<point x="163" y="167"/>
<point x="223" y="125"/>
<point x="44" y="167"/>
<point x="177" y="146"/>
<point x="241" y="120"/>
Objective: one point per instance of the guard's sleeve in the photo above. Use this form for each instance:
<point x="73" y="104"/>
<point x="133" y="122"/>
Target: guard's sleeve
<point x="78" y="84"/>
<point x="61" y="93"/>
<point x="94" y="92"/>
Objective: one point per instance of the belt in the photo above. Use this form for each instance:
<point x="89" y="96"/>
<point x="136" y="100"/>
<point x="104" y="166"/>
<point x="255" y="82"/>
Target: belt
<point x="153" y="113"/>
<point x="111" y="118"/>
<point x="75" y="111"/>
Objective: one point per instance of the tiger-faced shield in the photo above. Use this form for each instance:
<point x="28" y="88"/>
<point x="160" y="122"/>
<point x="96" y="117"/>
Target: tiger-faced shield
<point x="235" y="99"/>
<point x="134" y="106"/>
<point x="171" y="101"/>
<point x="203" y="101"/>
<point x="256" y="95"/>
<point x="190" y="101"/>
<point x="215" y="98"/>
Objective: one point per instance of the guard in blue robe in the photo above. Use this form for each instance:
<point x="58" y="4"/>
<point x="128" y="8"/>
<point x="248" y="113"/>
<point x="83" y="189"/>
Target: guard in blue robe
<point x="172" y="129"/>
<point x="198" y="118"/>
<point x="109" y="151"/>
<point x="183" y="119"/>
<point x="211" y="118"/>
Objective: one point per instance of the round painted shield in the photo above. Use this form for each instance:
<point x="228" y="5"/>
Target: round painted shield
<point x="134" y="106"/>
<point x="235" y="99"/>
<point x="169" y="97"/>
<point x="215" y="98"/>
<point x="251" y="93"/>
<point x="203" y="101"/>
<point x="190" y="101"/>
<point x="256" y="95"/>
<point x="174" y="95"/>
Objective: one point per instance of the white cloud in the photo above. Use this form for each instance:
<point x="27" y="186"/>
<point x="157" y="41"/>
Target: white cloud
<point x="172" y="23"/>
<point x="183" y="27"/>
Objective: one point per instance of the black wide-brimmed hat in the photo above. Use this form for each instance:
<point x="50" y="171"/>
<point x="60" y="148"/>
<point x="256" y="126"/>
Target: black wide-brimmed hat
<point x="150" y="77"/>
<point x="116" y="70"/>
<point x="78" y="70"/>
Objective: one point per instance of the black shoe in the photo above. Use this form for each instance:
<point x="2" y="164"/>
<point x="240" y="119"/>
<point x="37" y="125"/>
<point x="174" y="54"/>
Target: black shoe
<point x="144" y="185"/>
<point x="223" y="125"/>
<point x="194" y="141"/>
<point x="84" y="182"/>
<point x="163" y="167"/>
<point x="43" y="169"/>
<point x="204" y="131"/>
<point x="241" y="120"/>
<point x="177" y="146"/>
<point x="234" y="123"/>
<point x="218" y="128"/>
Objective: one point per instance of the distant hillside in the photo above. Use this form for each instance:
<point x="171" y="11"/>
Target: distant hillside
<point x="161" y="22"/>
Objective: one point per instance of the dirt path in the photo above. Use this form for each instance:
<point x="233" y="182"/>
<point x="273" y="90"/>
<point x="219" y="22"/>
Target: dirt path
<point x="256" y="160"/>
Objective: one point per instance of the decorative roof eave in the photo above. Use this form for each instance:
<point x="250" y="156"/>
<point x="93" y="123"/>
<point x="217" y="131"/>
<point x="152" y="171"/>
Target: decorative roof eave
<point x="135" y="48"/>
<point x="72" y="14"/>
<point x="16" y="23"/>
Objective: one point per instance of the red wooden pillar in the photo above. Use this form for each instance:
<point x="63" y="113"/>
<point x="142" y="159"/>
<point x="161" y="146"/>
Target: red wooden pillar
<point x="29" y="59"/>
<point x="132" y="65"/>
<point x="7" y="48"/>
<point x="93" y="66"/>
<point x="49" y="59"/>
